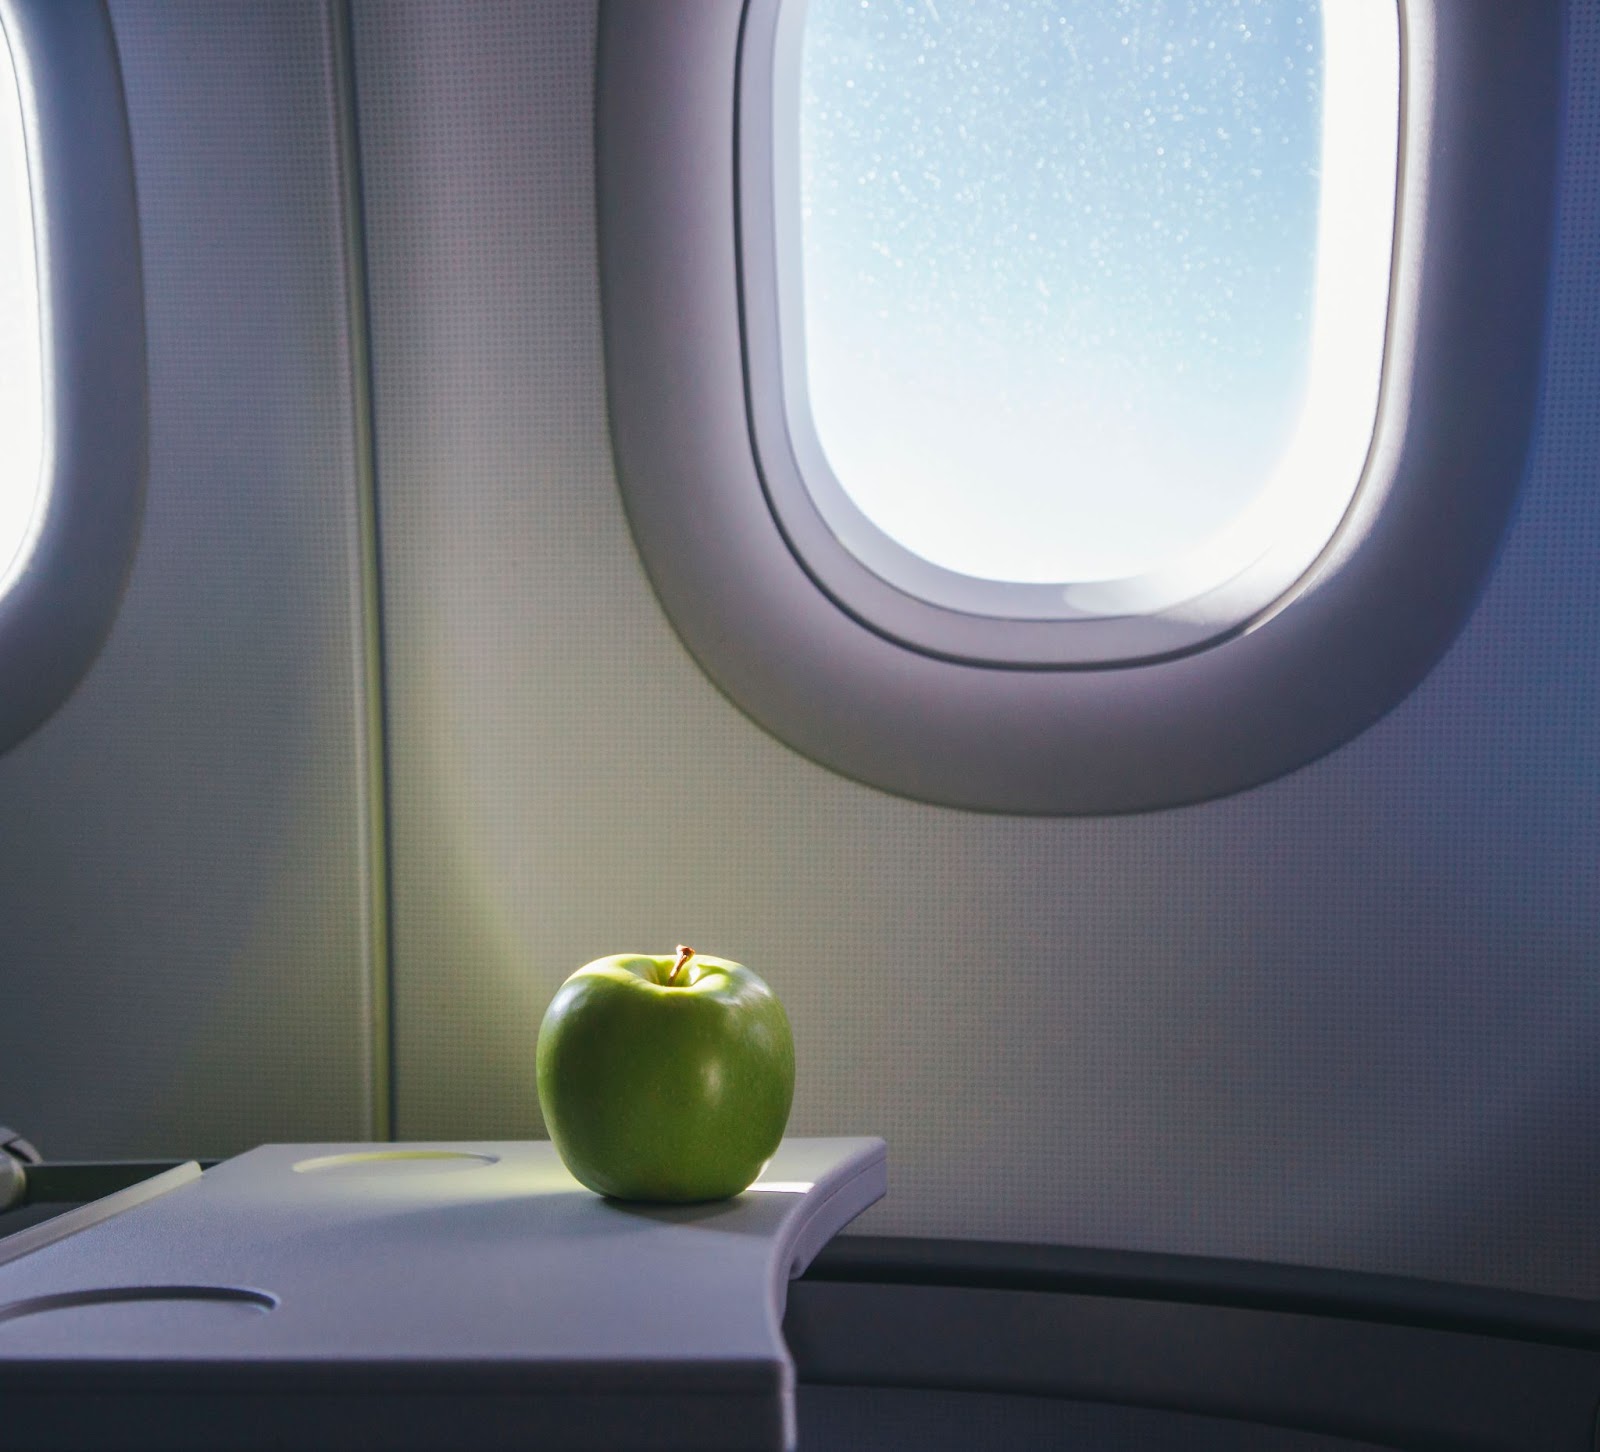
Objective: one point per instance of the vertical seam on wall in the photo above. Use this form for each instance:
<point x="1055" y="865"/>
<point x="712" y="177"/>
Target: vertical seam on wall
<point x="373" y="661"/>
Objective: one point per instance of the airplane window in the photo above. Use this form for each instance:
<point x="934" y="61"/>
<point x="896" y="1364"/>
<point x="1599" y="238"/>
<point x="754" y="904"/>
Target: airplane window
<point x="21" y="382"/>
<point x="1073" y="406"/>
<point x="1080" y="304"/>
<point x="73" y="379"/>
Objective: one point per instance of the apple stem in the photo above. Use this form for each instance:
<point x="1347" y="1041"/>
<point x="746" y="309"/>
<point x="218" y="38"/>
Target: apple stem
<point x="684" y="955"/>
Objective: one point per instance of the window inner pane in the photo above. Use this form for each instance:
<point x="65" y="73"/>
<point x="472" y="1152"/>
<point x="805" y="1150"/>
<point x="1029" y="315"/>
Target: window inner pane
<point x="21" y="372"/>
<point x="1060" y="270"/>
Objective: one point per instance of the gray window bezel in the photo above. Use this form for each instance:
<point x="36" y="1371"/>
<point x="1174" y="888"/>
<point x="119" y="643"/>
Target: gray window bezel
<point x="954" y="720"/>
<point x="57" y="612"/>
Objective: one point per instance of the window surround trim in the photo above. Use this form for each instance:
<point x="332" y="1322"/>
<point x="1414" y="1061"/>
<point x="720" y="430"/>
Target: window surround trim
<point x="59" y="608"/>
<point x="1380" y="608"/>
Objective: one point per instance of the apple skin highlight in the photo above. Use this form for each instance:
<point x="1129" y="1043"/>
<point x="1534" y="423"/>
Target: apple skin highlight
<point x="665" y="1079"/>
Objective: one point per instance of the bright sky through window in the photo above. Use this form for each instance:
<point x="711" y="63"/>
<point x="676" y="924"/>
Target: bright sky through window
<point x="21" y="372"/>
<point x="1069" y="267"/>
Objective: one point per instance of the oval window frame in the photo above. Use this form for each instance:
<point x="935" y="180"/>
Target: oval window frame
<point x="59" y="608"/>
<point x="957" y="727"/>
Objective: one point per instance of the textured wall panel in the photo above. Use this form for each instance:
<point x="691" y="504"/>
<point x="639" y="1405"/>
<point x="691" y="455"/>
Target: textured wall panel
<point x="1348" y="1018"/>
<point x="181" y="878"/>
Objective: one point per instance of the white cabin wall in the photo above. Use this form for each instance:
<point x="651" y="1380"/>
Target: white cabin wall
<point x="182" y="873"/>
<point x="1347" y="1018"/>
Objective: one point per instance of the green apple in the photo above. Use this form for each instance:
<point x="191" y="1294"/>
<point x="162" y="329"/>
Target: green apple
<point x="665" y="1079"/>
